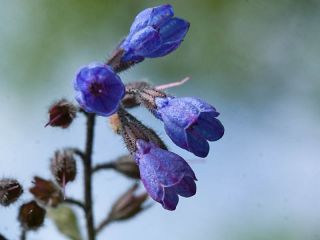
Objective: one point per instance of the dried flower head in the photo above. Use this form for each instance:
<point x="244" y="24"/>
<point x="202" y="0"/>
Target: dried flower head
<point x="128" y="205"/>
<point x="10" y="191"/>
<point x="61" y="114"/>
<point x="63" y="167"/>
<point x="31" y="215"/>
<point x="46" y="192"/>
<point x="127" y="166"/>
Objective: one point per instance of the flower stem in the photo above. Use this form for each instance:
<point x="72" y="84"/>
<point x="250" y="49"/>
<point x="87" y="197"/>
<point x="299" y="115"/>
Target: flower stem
<point x="88" y="203"/>
<point x="23" y="235"/>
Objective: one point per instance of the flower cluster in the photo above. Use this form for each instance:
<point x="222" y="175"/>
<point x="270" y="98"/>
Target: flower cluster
<point x="188" y="121"/>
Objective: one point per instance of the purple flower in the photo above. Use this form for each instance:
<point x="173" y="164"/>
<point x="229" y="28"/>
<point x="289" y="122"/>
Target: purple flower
<point x="99" y="89"/>
<point x="154" y="33"/>
<point x="190" y="123"/>
<point x="164" y="174"/>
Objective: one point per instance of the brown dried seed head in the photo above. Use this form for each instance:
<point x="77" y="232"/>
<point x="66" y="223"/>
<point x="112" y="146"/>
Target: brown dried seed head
<point x="31" y="215"/>
<point x="63" y="167"/>
<point x="46" y="192"/>
<point x="128" y="205"/>
<point x="10" y="191"/>
<point x="61" y="114"/>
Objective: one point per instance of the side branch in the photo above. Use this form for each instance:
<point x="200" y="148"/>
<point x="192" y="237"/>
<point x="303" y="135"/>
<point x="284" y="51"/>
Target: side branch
<point x="75" y="202"/>
<point x="103" y="224"/>
<point x="107" y="165"/>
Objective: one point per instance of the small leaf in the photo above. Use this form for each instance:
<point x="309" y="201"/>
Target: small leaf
<point x="66" y="221"/>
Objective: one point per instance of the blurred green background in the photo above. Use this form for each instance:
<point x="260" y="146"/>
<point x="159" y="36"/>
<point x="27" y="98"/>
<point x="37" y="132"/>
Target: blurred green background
<point x="256" y="61"/>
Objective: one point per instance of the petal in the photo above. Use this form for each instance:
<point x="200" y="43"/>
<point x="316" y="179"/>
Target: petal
<point x="165" y="49"/>
<point x="176" y="134"/>
<point x="141" y="20"/>
<point x="149" y="179"/>
<point x="209" y="127"/>
<point x="160" y="15"/>
<point x="186" y="187"/>
<point x="174" y="30"/>
<point x="167" y="167"/>
<point x="197" y="144"/>
<point x="199" y="104"/>
<point x="145" y="41"/>
<point x="179" y="112"/>
<point x="170" y="199"/>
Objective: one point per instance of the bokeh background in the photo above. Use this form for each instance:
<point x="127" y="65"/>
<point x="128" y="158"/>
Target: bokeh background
<point x="256" y="61"/>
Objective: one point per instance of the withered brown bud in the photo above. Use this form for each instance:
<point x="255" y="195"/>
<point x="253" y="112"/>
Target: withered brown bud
<point x="31" y="215"/>
<point x="128" y="205"/>
<point x="63" y="167"/>
<point x="10" y="191"/>
<point x="127" y="166"/>
<point x="115" y="123"/>
<point x="46" y="192"/>
<point x="61" y="114"/>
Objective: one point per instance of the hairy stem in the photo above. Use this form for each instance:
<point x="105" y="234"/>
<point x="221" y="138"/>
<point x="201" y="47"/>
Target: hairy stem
<point x="103" y="224"/>
<point x="88" y="203"/>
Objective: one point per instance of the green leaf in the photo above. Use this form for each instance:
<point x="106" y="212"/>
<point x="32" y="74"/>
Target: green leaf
<point x="66" y="221"/>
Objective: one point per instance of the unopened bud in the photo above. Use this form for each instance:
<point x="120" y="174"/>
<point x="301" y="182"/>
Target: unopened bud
<point x="63" y="167"/>
<point x="127" y="166"/>
<point x="61" y="114"/>
<point x="10" y="191"/>
<point x="46" y="192"/>
<point x="31" y="215"/>
<point x="132" y="130"/>
<point x="131" y="99"/>
<point x="128" y="205"/>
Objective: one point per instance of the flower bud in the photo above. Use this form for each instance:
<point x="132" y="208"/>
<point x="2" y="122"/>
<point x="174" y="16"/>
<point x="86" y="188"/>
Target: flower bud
<point x="63" y="167"/>
<point x="10" y="191"/>
<point x="155" y="32"/>
<point x="46" y="192"/>
<point x="131" y="100"/>
<point x="132" y="130"/>
<point x="127" y="166"/>
<point x="61" y="114"/>
<point x="31" y="215"/>
<point x="128" y="205"/>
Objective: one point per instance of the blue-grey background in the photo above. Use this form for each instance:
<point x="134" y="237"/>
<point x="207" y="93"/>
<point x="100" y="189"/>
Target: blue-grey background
<point x="256" y="61"/>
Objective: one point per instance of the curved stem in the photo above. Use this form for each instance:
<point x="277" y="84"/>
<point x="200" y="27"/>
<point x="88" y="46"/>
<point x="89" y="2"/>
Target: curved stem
<point x="88" y="203"/>
<point x="107" y="165"/>
<point x="75" y="202"/>
<point x="103" y="224"/>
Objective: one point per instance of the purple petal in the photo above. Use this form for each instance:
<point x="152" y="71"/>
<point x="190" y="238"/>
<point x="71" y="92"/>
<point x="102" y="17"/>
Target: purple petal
<point x="174" y="30"/>
<point x="170" y="199"/>
<point x="209" y="127"/>
<point x="176" y="134"/>
<point x="160" y="15"/>
<point x="186" y="187"/>
<point x="141" y="20"/>
<point x="197" y="144"/>
<point x="164" y="49"/>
